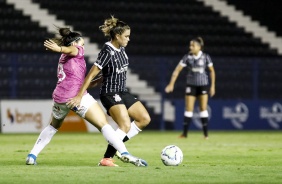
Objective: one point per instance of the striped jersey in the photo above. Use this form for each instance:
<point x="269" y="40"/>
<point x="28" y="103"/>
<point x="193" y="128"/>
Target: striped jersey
<point x="114" y="64"/>
<point x="196" y="68"/>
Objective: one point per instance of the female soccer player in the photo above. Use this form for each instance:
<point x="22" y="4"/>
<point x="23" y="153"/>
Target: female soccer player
<point x="119" y="103"/>
<point x="71" y="72"/>
<point x="197" y="83"/>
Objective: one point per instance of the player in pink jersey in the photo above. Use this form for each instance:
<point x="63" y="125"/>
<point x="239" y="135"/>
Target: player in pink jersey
<point x="71" y="73"/>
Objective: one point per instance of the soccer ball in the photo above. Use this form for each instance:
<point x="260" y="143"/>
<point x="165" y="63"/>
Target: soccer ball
<point x="171" y="155"/>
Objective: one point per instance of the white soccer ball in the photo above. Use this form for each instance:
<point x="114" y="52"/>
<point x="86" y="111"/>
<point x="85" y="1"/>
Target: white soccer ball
<point x="171" y="155"/>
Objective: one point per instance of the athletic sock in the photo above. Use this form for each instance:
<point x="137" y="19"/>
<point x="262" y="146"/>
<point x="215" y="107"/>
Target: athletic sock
<point x="204" y="118"/>
<point x="43" y="139"/>
<point x="205" y="126"/>
<point x="187" y="120"/>
<point x="186" y="125"/>
<point x="114" y="140"/>
<point x="134" y="130"/>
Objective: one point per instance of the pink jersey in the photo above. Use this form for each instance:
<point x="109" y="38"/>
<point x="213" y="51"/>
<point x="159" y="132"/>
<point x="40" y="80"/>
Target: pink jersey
<point x="71" y="73"/>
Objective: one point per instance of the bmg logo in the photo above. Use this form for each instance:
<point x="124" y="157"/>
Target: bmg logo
<point x="20" y="117"/>
<point x="272" y="114"/>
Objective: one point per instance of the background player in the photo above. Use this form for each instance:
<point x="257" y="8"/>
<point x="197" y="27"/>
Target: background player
<point x="119" y="103"/>
<point x="197" y="86"/>
<point x="71" y="72"/>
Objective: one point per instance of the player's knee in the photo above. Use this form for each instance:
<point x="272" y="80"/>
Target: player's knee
<point x="145" y="120"/>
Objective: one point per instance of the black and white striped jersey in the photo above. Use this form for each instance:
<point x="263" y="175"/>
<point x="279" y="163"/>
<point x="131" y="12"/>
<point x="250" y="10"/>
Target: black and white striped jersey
<point x="196" y="67"/>
<point x="114" y="63"/>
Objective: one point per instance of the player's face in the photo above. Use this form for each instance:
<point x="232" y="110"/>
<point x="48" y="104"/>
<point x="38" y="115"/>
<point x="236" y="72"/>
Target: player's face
<point x="194" y="47"/>
<point x="123" y="39"/>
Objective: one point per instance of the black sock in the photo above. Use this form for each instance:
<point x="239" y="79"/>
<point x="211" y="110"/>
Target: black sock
<point x="186" y="125"/>
<point x="205" y="126"/>
<point x="111" y="151"/>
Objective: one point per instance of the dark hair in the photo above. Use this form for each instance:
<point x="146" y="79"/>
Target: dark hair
<point x="200" y="41"/>
<point x="113" y="26"/>
<point x="67" y="37"/>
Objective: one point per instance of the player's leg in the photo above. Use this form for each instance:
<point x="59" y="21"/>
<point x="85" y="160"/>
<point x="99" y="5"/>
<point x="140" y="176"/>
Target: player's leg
<point x="136" y="111"/>
<point x="96" y="117"/>
<point x="190" y="98"/>
<point x="92" y="112"/>
<point x="115" y="107"/>
<point x="141" y="117"/>
<point x="120" y="116"/>
<point x="188" y="114"/>
<point x="203" y="102"/>
<point x="59" y="112"/>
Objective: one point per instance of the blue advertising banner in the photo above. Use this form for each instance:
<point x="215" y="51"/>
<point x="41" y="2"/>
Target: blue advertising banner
<point x="234" y="114"/>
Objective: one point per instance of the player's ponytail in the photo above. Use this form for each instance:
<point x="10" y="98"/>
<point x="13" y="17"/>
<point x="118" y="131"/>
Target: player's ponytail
<point x="67" y="37"/>
<point x="113" y="26"/>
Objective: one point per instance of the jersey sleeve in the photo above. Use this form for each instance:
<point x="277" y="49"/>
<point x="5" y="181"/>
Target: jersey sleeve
<point x="182" y="62"/>
<point x="209" y="61"/>
<point x="103" y="59"/>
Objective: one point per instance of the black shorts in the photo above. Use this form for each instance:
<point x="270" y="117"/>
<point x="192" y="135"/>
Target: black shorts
<point x="110" y="99"/>
<point x="197" y="90"/>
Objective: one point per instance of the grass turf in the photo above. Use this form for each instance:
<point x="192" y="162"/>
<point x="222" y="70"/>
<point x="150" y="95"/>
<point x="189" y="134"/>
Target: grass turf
<point x="227" y="157"/>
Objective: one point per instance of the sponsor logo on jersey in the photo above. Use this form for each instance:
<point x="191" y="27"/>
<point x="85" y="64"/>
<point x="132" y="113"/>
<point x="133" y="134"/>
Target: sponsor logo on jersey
<point x="272" y="114"/>
<point x="198" y="69"/>
<point x="237" y="114"/>
<point x="121" y="70"/>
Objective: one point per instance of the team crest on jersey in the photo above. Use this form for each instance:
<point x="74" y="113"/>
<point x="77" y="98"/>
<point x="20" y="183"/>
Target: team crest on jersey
<point x="190" y="57"/>
<point x="112" y="53"/>
<point x="201" y="61"/>
<point x="117" y="98"/>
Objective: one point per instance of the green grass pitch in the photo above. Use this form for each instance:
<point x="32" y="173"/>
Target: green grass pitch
<point x="227" y="157"/>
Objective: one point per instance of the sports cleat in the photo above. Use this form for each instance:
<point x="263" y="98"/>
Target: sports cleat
<point x="118" y="155"/>
<point x="182" y="136"/>
<point x="30" y="159"/>
<point x="109" y="162"/>
<point x="127" y="158"/>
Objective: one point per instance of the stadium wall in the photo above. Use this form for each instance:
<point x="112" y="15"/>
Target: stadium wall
<point x="248" y="91"/>
<point x="236" y="115"/>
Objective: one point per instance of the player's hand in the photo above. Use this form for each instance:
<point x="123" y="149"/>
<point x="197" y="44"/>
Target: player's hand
<point x="169" y="88"/>
<point x="212" y="91"/>
<point x="51" y="45"/>
<point x="74" y="102"/>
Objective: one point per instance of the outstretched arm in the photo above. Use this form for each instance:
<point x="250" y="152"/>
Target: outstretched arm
<point x="51" y="45"/>
<point x="75" y="101"/>
<point x="169" y="88"/>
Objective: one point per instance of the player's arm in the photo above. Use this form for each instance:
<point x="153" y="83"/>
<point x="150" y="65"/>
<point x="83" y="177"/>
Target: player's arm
<point x="212" y="77"/>
<point x="169" y="88"/>
<point x="96" y="81"/>
<point x="75" y="101"/>
<point x="51" y="45"/>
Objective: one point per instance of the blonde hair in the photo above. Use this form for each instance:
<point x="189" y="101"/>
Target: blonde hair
<point x="113" y="26"/>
